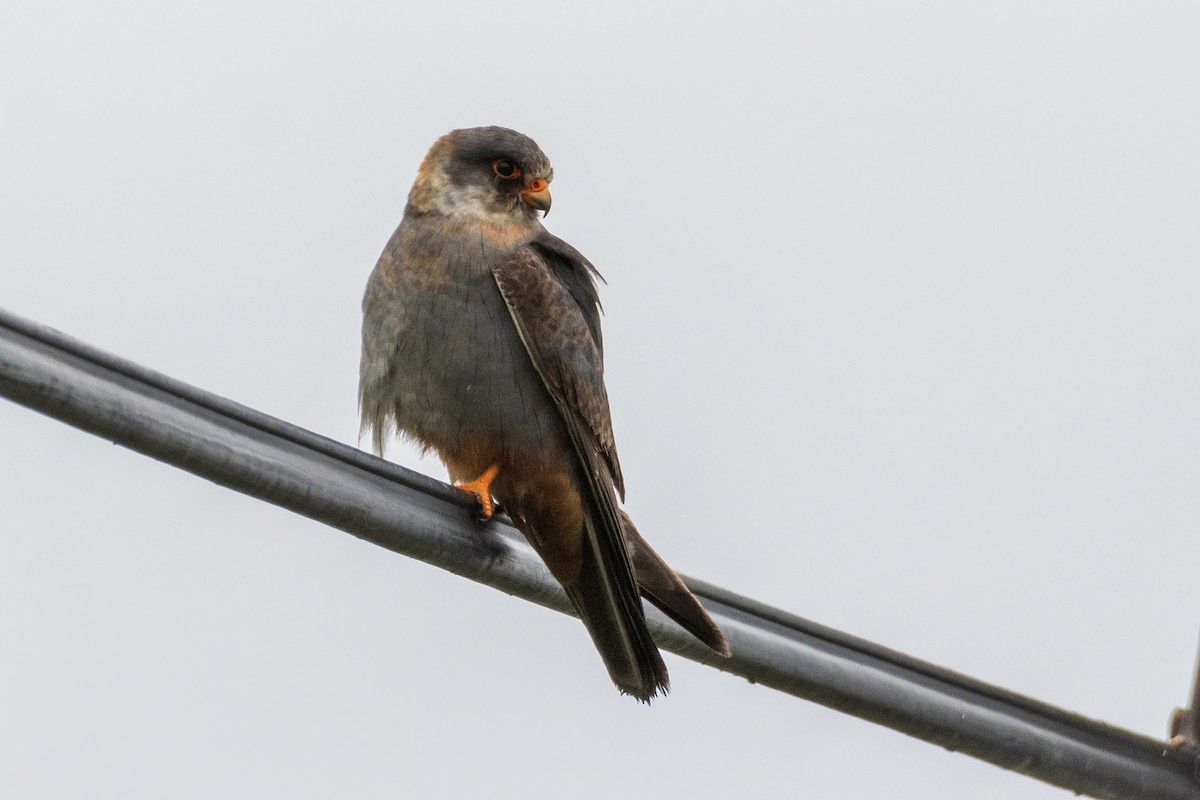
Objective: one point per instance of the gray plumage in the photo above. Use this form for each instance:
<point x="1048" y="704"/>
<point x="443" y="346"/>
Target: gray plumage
<point x="482" y="342"/>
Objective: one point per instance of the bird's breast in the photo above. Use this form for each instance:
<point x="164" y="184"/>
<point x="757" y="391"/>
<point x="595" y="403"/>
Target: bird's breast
<point x="462" y="374"/>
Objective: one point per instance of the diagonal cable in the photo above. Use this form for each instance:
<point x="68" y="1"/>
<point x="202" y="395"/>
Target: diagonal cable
<point x="406" y="512"/>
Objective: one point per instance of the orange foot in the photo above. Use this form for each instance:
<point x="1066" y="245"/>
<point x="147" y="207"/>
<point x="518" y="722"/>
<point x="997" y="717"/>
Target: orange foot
<point x="481" y="487"/>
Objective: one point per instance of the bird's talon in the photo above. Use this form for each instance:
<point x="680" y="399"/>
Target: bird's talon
<point x="484" y="509"/>
<point x="481" y="490"/>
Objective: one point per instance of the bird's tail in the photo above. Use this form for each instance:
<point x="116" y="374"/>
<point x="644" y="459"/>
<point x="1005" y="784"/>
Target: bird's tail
<point x="662" y="586"/>
<point x="618" y="626"/>
<point x="612" y="612"/>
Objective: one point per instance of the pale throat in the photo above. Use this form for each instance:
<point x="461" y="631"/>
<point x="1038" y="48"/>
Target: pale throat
<point x="435" y="192"/>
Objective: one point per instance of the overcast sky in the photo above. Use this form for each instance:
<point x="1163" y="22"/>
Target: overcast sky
<point x="902" y="336"/>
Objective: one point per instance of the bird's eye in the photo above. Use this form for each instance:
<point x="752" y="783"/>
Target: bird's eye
<point x="505" y="169"/>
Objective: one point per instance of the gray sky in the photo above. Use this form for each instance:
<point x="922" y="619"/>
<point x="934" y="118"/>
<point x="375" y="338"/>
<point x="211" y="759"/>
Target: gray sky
<point x="902" y="336"/>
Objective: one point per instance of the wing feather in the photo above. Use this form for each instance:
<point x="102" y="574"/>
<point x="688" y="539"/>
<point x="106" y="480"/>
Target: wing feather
<point x="543" y="298"/>
<point x="551" y="294"/>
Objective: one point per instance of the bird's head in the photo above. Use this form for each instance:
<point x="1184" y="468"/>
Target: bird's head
<point x="492" y="173"/>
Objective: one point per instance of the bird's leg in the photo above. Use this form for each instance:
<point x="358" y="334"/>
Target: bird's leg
<point x="481" y="487"/>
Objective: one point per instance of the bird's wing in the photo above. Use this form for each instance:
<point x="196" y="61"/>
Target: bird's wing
<point x="551" y="299"/>
<point x="551" y="294"/>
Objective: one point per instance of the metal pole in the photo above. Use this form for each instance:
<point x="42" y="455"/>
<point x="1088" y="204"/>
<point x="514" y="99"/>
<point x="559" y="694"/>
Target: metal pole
<point x="416" y="516"/>
<point x="1185" y="722"/>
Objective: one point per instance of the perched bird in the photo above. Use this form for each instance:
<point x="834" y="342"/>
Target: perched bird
<point x="481" y="342"/>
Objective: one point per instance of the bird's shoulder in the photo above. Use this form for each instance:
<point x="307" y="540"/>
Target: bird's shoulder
<point x="571" y="270"/>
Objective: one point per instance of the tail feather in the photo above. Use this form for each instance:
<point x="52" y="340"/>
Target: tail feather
<point x="662" y="586"/>
<point x="617" y="625"/>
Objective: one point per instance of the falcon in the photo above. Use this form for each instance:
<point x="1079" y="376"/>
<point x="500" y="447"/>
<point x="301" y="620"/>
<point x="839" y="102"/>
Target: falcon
<point x="482" y="343"/>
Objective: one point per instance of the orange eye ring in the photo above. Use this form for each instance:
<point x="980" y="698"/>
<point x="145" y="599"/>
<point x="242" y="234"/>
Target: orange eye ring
<point x="505" y="169"/>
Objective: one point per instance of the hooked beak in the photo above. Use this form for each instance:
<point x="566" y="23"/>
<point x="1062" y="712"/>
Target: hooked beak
<point x="537" y="196"/>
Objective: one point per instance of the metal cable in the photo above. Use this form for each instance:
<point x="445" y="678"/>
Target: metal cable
<point x="417" y="516"/>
